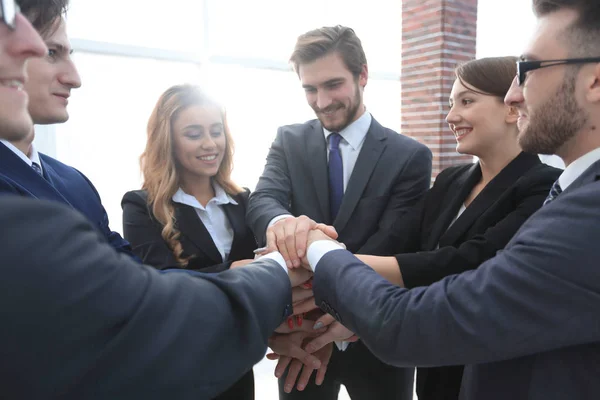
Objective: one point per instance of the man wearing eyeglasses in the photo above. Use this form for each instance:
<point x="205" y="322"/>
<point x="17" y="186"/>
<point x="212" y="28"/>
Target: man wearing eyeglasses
<point x="81" y="321"/>
<point x="527" y="322"/>
<point x="24" y="171"/>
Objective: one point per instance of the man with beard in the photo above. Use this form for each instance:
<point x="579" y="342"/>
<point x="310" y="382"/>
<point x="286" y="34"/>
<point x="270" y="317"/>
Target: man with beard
<point x="81" y="321"/>
<point x="525" y="322"/>
<point x="342" y="169"/>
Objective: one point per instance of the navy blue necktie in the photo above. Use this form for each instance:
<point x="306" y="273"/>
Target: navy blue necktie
<point x="554" y="192"/>
<point x="37" y="169"/>
<point x="336" y="175"/>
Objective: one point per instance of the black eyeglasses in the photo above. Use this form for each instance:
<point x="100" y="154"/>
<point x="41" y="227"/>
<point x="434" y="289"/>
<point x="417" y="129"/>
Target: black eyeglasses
<point x="523" y="67"/>
<point x="8" y="12"/>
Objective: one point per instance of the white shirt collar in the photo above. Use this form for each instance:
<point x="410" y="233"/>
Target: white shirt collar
<point x="221" y="197"/>
<point x="33" y="158"/>
<point x="578" y="167"/>
<point x="356" y="132"/>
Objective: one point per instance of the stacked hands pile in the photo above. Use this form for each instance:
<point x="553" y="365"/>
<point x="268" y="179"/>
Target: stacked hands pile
<point x="304" y="342"/>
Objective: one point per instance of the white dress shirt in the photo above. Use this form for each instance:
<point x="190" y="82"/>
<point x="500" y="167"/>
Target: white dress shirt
<point x="353" y="138"/>
<point x="212" y="216"/>
<point x="577" y="167"/>
<point x="33" y="158"/>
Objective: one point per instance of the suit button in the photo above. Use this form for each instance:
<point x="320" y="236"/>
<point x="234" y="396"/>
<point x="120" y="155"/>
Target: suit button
<point x="323" y="306"/>
<point x="337" y="317"/>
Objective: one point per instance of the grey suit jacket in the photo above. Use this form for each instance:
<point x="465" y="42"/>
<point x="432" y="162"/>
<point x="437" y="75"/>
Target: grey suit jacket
<point x="391" y="174"/>
<point x="81" y="321"/>
<point x="526" y="322"/>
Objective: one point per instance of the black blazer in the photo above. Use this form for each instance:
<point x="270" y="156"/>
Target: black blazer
<point x="484" y="228"/>
<point x="143" y="231"/>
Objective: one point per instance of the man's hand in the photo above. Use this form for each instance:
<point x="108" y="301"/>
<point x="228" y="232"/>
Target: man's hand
<point x="298" y="276"/>
<point x="336" y="331"/>
<point x="290" y="235"/>
<point x="324" y="355"/>
<point x="288" y="346"/>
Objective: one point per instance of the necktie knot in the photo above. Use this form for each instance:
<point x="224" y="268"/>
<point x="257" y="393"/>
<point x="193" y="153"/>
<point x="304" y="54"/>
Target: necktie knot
<point x="334" y="141"/>
<point x="555" y="190"/>
<point x="36" y="167"/>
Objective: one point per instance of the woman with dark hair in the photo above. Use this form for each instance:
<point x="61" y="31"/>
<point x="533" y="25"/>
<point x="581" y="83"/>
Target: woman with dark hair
<point x="189" y="213"/>
<point x="472" y="210"/>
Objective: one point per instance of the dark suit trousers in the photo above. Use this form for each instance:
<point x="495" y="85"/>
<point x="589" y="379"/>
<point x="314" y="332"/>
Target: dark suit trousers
<point x="363" y="375"/>
<point x="241" y="390"/>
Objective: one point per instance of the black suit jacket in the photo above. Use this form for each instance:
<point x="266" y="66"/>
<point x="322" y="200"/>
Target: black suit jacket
<point x="81" y="321"/>
<point x="391" y="174"/>
<point x="484" y="228"/>
<point x="143" y="231"/>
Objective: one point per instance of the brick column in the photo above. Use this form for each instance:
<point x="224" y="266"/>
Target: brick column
<point x="437" y="35"/>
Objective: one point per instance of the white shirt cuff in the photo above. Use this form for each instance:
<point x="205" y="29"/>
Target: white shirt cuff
<point x="318" y="249"/>
<point x="276" y="256"/>
<point x="277" y="218"/>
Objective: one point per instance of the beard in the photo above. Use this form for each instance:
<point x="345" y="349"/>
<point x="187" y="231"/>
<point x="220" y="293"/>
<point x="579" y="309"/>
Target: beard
<point x="349" y="114"/>
<point x="555" y="122"/>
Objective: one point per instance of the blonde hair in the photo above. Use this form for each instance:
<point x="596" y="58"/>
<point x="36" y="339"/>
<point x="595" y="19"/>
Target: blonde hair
<point x="159" y="166"/>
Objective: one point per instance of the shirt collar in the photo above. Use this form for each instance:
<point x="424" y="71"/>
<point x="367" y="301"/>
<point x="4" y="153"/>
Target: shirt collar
<point x="33" y="158"/>
<point x="221" y="197"/>
<point x="355" y="133"/>
<point x="578" y="167"/>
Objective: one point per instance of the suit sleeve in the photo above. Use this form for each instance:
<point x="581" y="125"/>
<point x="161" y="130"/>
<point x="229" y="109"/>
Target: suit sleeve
<point x="541" y="293"/>
<point x="409" y="188"/>
<point x="114" y="238"/>
<point x="427" y="267"/>
<point x="273" y="191"/>
<point x="90" y="322"/>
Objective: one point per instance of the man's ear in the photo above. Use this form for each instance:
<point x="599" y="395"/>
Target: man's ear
<point x="593" y="86"/>
<point x="364" y="76"/>
<point x="512" y="115"/>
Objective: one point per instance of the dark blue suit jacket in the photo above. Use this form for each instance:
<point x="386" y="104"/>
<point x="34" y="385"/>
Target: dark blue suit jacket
<point x="81" y="321"/>
<point x="526" y="322"/>
<point x="61" y="183"/>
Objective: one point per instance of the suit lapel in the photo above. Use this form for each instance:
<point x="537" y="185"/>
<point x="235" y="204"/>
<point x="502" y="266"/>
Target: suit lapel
<point x="375" y="143"/>
<point x="316" y="151"/>
<point x="190" y="226"/>
<point x="456" y="191"/>
<point x="21" y="173"/>
<point x="489" y="195"/>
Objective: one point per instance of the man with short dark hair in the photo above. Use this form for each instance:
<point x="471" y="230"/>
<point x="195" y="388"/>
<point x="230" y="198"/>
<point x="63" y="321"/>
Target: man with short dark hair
<point x="81" y="321"/>
<point x="346" y="170"/>
<point x="25" y="171"/>
<point x="526" y="321"/>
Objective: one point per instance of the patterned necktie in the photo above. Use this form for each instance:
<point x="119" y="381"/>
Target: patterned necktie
<point x="37" y="169"/>
<point x="336" y="175"/>
<point x="554" y="192"/>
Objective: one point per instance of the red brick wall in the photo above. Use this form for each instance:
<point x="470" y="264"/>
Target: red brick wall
<point x="437" y="35"/>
